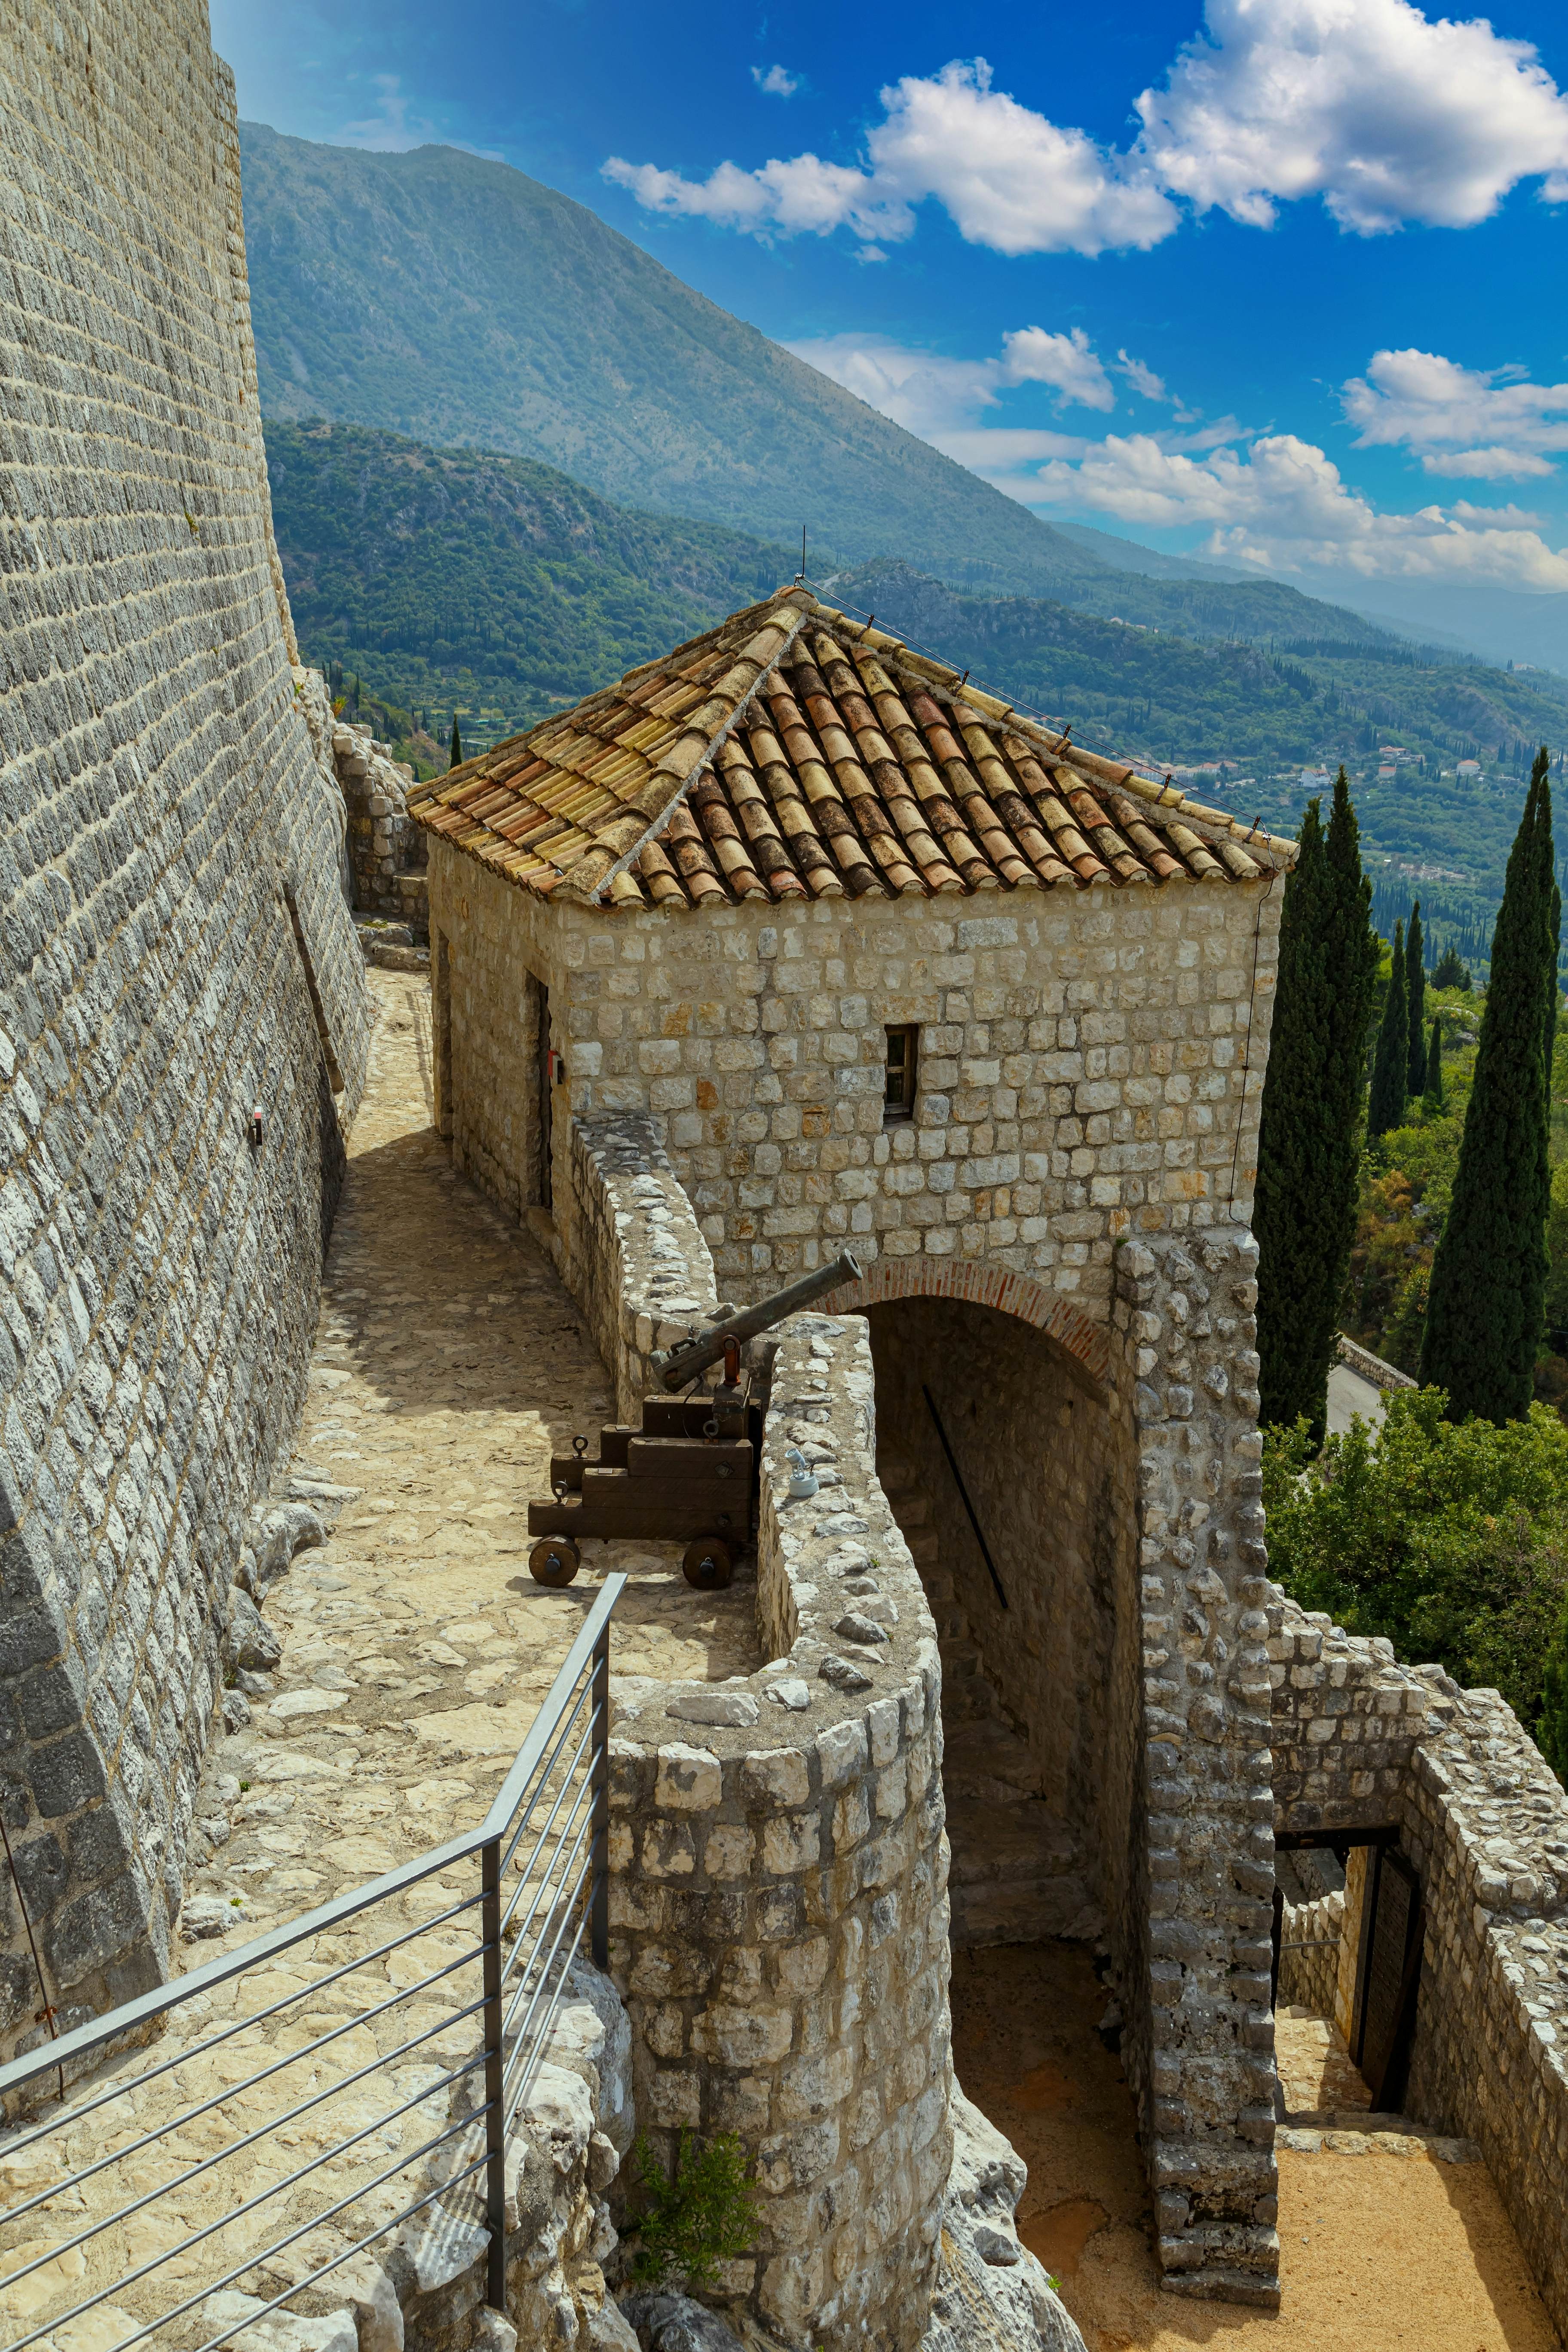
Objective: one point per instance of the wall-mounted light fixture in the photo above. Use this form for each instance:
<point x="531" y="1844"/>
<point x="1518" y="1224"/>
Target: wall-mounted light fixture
<point x="253" y="1128"/>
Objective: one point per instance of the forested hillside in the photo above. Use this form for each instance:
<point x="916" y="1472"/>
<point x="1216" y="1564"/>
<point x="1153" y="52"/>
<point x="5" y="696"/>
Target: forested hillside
<point x="452" y="579"/>
<point x="456" y="581"/>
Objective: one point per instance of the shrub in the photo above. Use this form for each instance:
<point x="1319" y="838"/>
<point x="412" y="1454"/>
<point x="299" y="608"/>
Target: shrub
<point x="704" y="2214"/>
<point x="1452" y="1540"/>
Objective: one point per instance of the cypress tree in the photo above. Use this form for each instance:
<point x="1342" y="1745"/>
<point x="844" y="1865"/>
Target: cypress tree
<point x="1309" y="1146"/>
<point x="1432" y="1094"/>
<point x="1416" y="1007"/>
<point x="456" y="760"/>
<point x="1385" y="1106"/>
<point x="1486" y="1304"/>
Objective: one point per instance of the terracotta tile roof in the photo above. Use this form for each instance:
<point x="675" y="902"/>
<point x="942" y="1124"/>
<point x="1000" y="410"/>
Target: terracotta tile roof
<point x="795" y="753"/>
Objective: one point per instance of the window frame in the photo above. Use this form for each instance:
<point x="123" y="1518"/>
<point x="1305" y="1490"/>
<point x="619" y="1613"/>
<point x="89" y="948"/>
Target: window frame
<point x="900" y="1112"/>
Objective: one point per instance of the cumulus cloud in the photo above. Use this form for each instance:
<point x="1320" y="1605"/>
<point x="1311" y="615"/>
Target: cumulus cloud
<point x="1281" y="505"/>
<point x="1367" y="103"/>
<point x="1488" y="426"/>
<point x="939" y="398"/>
<point x="777" y="80"/>
<point x="1385" y="115"/>
<point x="804" y="195"/>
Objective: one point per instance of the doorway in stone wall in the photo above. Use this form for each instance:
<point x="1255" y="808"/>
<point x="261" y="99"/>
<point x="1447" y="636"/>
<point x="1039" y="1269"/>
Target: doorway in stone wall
<point x="543" y="1097"/>
<point x="1348" y="1936"/>
<point x="1009" y="1471"/>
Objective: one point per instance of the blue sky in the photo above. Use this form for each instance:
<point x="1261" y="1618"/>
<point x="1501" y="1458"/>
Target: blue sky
<point x="1279" y="281"/>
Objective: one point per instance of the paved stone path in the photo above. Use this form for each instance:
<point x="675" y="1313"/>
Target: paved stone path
<point x="450" y="1363"/>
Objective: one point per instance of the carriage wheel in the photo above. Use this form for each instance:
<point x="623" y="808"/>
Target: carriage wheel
<point x="707" y="1564"/>
<point x="553" y="1560"/>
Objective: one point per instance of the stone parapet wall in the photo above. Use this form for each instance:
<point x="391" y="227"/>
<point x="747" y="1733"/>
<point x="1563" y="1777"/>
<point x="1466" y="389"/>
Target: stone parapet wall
<point x="779" y="1914"/>
<point x="176" y="950"/>
<point x="641" y="1269"/>
<point x="1363" y="1743"/>
<point x="386" y="848"/>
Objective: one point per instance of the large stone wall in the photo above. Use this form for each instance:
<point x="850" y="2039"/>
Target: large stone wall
<point x="174" y="948"/>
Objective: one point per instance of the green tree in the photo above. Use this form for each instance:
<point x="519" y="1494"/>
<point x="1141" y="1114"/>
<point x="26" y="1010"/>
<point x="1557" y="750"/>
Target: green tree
<point x="1487" y="1301"/>
<point x="1416" y="1007"/>
<point x="1552" y="1730"/>
<point x="1386" y="1105"/>
<point x="457" y="759"/>
<point x="1450" y="972"/>
<point x="1450" y="1539"/>
<point x="1308" y="1149"/>
<point x="1432" y="1094"/>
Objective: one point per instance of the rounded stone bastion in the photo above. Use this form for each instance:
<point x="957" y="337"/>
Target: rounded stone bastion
<point x="779" y="1916"/>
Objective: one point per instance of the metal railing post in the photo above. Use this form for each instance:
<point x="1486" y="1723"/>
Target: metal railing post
<point x="495" y="2090"/>
<point x="599" y="1899"/>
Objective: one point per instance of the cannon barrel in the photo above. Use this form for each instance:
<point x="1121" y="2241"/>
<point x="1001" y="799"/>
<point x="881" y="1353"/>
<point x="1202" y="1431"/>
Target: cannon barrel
<point x="678" y="1365"/>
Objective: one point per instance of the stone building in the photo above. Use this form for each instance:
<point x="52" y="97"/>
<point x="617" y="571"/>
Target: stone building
<point x="176" y="952"/>
<point x="879" y="961"/>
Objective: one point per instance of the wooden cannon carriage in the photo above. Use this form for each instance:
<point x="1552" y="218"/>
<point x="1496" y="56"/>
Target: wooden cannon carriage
<point x="689" y="1475"/>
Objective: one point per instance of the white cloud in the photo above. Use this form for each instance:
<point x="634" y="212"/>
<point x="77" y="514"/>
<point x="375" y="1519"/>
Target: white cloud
<point x="801" y="195"/>
<point x="1010" y="179"/>
<point x="1385" y="114"/>
<point x="1282" y="506"/>
<point x="937" y="397"/>
<point x="389" y="129"/>
<point x="777" y="80"/>
<point x="1143" y="380"/>
<point x="1488" y="426"/>
<point x="1367" y="103"/>
<point x="1493" y="465"/>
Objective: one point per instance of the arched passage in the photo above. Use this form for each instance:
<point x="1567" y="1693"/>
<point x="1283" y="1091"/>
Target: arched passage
<point x="993" y="1438"/>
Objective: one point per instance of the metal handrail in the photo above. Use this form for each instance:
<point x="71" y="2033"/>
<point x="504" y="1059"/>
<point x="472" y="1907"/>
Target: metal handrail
<point x="571" y="1889"/>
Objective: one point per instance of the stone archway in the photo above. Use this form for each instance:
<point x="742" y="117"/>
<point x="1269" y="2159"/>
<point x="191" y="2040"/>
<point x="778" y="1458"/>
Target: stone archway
<point x="1010" y="1469"/>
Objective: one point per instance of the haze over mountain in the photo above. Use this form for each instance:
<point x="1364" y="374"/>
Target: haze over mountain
<point x="457" y="301"/>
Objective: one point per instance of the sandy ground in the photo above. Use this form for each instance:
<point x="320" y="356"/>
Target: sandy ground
<point x="1378" y="2250"/>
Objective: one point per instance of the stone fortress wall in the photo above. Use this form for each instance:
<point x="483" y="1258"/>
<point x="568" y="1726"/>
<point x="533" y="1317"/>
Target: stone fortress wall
<point x="174" y="948"/>
<point x="1360" y="1743"/>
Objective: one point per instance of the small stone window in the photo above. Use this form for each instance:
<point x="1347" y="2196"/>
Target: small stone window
<point x="898" y="1081"/>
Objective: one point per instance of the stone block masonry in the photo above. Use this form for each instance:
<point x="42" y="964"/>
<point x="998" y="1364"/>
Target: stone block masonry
<point x="174" y="950"/>
<point x="1362" y="1744"/>
<point x="1090" y="1065"/>
<point x="778" y="1907"/>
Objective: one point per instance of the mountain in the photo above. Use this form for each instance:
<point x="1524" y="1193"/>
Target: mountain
<point x="457" y="301"/>
<point x="1500" y="624"/>
<point x="450" y="579"/>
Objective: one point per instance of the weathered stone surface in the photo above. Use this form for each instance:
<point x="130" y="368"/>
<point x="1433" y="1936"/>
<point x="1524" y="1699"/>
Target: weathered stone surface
<point x="991" y="2290"/>
<point x="663" y="2321"/>
<point x="176" y="950"/>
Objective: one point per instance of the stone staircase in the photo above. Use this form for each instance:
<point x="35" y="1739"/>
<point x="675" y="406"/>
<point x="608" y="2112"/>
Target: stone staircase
<point x="1016" y="1875"/>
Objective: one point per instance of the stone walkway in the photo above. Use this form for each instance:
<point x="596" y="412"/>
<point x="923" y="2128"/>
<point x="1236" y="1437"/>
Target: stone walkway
<point x="450" y="1364"/>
